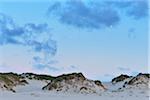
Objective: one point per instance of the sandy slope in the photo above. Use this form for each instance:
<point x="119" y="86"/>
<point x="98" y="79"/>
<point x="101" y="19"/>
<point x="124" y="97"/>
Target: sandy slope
<point x="34" y="92"/>
<point x="127" y="95"/>
<point x="33" y="86"/>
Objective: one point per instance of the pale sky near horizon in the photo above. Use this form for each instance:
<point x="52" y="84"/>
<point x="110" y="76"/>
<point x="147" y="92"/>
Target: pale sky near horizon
<point x="102" y="39"/>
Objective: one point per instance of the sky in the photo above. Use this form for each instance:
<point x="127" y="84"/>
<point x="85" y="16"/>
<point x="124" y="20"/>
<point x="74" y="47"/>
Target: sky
<point x="100" y="38"/>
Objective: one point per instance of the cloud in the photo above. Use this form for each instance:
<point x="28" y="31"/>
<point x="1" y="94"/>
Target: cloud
<point x="94" y="14"/>
<point x="131" y="30"/>
<point x="136" y="9"/>
<point x="33" y="36"/>
<point x="108" y="75"/>
<point x="80" y="14"/>
<point x="9" y="31"/>
<point x="73" y="67"/>
<point x="48" y="67"/>
<point x="37" y="28"/>
<point x="123" y="69"/>
<point x="131" y="33"/>
<point x="42" y="63"/>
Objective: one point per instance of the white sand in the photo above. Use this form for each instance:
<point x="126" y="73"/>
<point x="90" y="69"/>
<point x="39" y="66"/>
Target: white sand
<point x="33" y="92"/>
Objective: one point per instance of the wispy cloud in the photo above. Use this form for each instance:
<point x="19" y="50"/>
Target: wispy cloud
<point x="95" y="14"/>
<point x="33" y="36"/>
<point x="41" y="66"/>
<point x="136" y="9"/>
<point x="79" y="14"/>
<point x="131" y="33"/>
<point x="124" y="69"/>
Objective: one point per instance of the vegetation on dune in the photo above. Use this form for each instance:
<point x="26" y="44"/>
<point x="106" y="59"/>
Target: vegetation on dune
<point x="10" y="80"/>
<point x="63" y="82"/>
<point x="120" y="78"/>
<point x="65" y="77"/>
<point x="69" y="76"/>
<point x="74" y="82"/>
<point x="140" y="79"/>
<point x="38" y="76"/>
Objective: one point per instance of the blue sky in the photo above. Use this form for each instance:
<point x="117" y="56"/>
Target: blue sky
<point x="102" y="39"/>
